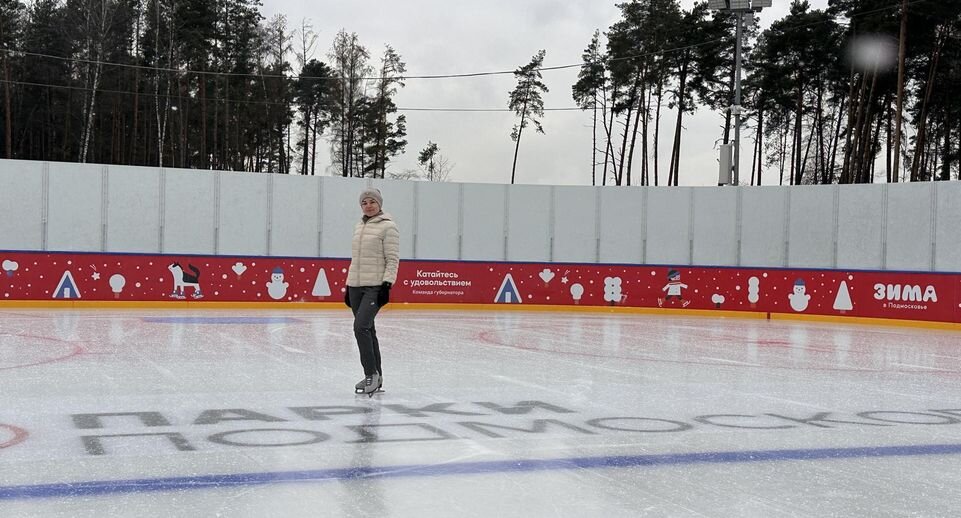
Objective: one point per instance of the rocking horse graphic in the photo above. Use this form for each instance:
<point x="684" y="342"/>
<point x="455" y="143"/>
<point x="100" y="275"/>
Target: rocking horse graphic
<point x="183" y="280"/>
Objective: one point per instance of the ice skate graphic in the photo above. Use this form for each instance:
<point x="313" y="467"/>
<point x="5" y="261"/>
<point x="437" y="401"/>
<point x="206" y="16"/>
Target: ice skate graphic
<point x="183" y="280"/>
<point x="673" y="289"/>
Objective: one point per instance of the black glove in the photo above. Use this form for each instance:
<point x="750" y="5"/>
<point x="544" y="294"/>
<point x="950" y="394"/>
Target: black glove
<point x="347" y="297"/>
<point x="383" y="296"/>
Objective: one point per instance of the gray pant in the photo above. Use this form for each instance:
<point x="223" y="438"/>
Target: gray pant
<point x="363" y="303"/>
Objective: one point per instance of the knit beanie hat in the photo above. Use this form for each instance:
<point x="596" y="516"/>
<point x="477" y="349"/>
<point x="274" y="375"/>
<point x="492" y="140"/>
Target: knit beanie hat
<point x="371" y="192"/>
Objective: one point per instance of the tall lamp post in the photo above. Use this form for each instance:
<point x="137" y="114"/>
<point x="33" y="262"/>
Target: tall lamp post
<point x="739" y="8"/>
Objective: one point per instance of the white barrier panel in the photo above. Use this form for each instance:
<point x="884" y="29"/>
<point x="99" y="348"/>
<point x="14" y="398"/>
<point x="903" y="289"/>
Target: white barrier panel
<point x="811" y="229"/>
<point x="133" y="209"/>
<point x="860" y="227"/>
<point x="189" y="211"/>
<point x="294" y="216"/>
<point x="438" y="220"/>
<point x="528" y="223"/>
<point x="484" y="225"/>
<point x="87" y="207"/>
<point x="242" y="221"/>
<point x="622" y="225"/>
<point x="909" y="227"/>
<point x="764" y="226"/>
<point x="575" y="224"/>
<point x="339" y="212"/>
<point x="669" y="226"/>
<point x="399" y="201"/>
<point x="947" y="237"/>
<point x="75" y="221"/>
<point x="21" y="205"/>
<point x="715" y="226"/>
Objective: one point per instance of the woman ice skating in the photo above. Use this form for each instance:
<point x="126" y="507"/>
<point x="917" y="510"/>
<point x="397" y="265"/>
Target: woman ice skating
<point x="374" y="259"/>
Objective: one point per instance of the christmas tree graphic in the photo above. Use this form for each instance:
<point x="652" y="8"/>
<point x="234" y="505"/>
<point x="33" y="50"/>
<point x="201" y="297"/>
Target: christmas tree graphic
<point x="842" y="302"/>
<point x="321" y="286"/>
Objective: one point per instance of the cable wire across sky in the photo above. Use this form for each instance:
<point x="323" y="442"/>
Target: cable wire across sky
<point x="658" y="52"/>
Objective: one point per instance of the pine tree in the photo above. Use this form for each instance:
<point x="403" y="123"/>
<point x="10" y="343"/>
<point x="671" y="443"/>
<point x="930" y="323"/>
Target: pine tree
<point x="11" y="27"/>
<point x="687" y="69"/>
<point x="526" y="101"/>
<point x="436" y="166"/>
<point x="793" y="61"/>
<point x="312" y="92"/>
<point x="276" y="97"/>
<point x="385" y="137"/>
<point x="590" y="93"/>
<point x="197" y="20"/>
<point x="349" y="60"/>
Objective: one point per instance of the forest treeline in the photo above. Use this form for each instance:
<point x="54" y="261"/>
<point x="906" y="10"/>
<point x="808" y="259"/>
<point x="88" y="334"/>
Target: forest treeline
<point x="215" y="85"/>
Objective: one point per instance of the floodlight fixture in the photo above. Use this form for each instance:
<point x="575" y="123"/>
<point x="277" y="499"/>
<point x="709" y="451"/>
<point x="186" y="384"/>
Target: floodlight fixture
<point x="725" y="164"/>
<point x="739" y="5"/>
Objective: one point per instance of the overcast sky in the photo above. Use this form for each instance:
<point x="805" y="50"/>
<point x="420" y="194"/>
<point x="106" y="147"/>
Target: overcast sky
<point x="456" y="36"/>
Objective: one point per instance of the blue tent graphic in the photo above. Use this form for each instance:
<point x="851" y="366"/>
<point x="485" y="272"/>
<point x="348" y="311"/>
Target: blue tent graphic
<point x="508" y="294"/>
<point x="67" y="288"/>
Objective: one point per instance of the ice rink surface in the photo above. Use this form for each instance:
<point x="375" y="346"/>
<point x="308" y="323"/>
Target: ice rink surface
<point x="252" y="413"/>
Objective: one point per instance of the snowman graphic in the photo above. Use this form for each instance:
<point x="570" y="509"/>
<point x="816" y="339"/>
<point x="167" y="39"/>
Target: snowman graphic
<point x="673" y="289"/>
<point x="799" y="297"/>
<point x="277" y="288"/>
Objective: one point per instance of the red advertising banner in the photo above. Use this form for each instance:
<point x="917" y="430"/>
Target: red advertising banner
<point x="134" y="277"/>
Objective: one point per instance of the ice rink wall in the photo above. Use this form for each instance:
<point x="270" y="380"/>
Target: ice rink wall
<point x="67" y="231"/>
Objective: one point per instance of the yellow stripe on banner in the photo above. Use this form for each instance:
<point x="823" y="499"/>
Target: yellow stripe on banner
<point x="580" y="309"/>
<point x="172" y="305"/>
<point x="398" y="306"/>
<point x="405" y="306"/>
<point x="952" y="326"/>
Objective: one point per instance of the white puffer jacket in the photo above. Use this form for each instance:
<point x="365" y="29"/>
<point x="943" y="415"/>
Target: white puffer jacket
<point x="375" y="252"/>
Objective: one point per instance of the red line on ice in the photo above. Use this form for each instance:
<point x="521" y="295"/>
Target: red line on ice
<point x="19" y="435"/>
<point x="76" y="350"/>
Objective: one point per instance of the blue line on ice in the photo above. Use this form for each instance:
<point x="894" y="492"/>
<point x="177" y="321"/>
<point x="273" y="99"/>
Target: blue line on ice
<point x="106" y="487"/>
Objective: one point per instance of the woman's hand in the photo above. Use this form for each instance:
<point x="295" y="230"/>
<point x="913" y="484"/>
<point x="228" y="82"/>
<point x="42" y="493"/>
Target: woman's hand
<point x="383" y="296"/>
